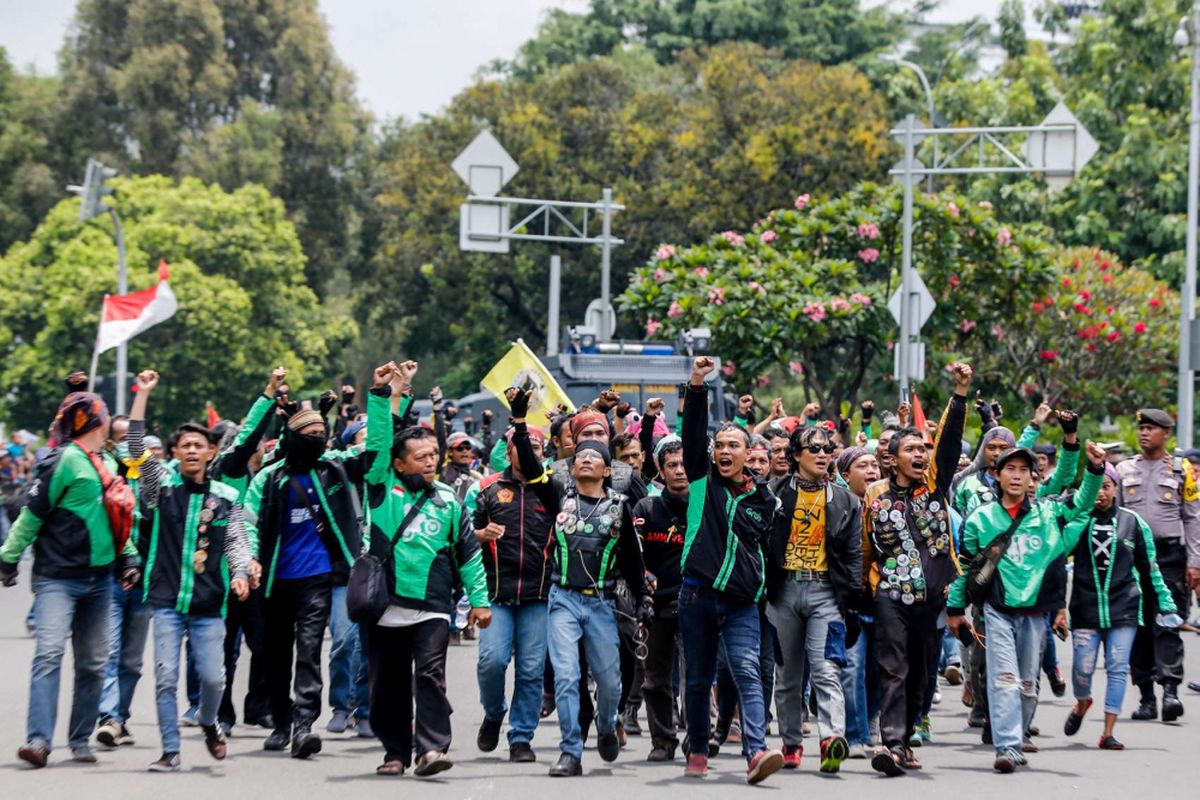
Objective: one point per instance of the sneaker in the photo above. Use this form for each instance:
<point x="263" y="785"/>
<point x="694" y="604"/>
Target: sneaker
<point x="925" y="731"/>
<point x="108" y="732"/>
<point x="226" y="729"/>
<point x="1058" y="684"/>
<point x="609" y="746"/>
<point x="338" y="722"/>
<point x="697" y="766"/>
<point x="834" y="751"/>
<point x="859" y="752"/>
<point x="629" y="721"/>
<point x="735" y="733"/>
<point x="937" y="697"/>
<point x="521" y="753"/>
<point x="1075" y="718"/>
<point x="791" y="756"/>
<point x="953" y="675"/>
<point x="763" y="765"/>
<point x="489" y="735"/>
<point x="1027" y="746"/>
<point x="278" y="739"/>
<point x="167" y="762"/>
<point x="431" y="764"/>
<point x="1005" y="763"/>
<point x="125" y="738"/>
<point x="661" y="752"/>
<point x="365" y="731"/>
<point x="214" y="740"/>
<point x="35" y="754"/>
<point x="83" y="755"/>
<point x="305" y="743"/>
<point x="188" y="720"/>
<point x="889" y="762"/>
<point x="1110" y="743"/>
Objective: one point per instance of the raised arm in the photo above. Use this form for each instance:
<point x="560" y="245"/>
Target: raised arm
<point x="695" y="421"/>
<point x="1081" y="504"/>
<point x="654" y="410"/>
<point x="536" y="475"/>
<point x="234" y="461"/>
<point x="948" y="448"/>
<point x="1068" y="463"/>
<point x="147" y="466"/>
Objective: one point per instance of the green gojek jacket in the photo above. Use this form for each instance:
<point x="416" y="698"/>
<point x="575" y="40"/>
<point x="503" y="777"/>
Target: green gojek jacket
<point x="1032" y="572"/>
<point x="436" y="546"/>
<point x="232" y="466"/>
<point x="972" y="490"/>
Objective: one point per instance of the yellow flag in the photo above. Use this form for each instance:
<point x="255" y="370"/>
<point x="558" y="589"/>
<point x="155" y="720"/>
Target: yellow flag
<point x="518" y="367"/>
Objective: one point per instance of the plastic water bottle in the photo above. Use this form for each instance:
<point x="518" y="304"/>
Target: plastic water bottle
<point x="460" y="614"/>
<point x="1171" y="621"/>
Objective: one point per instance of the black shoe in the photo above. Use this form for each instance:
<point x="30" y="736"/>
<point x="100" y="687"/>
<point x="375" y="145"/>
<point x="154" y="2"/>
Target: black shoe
<point x="265" y="721"/>
<point x="1172" y="708"/>
<point x="305" y="743"/>
<point x="662" y="752"/>
<point x="1075" y="718"/>
<point x="277" y="740"/>
<point x="609" y="746"/>
<point x="1146" y="710"/>
<point x="489" y="735"/>
<point x="985" y="734"/>
<point x="567" y="766"/>
<point x="1058" y="684"/>
<point x="1194" y="686"/>
<point x="629" y="722"/>
<point x="521" y="753"/>
<point x="214" y="740"/>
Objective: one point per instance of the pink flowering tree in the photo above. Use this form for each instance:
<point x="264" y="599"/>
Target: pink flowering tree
<point x="803" y="294"/>
<point x="1101" y="338"/>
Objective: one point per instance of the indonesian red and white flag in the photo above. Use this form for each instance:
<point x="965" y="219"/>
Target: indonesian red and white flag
<point x="127" y="315"/>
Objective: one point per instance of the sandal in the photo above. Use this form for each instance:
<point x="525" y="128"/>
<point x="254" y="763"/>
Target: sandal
<point x="390" y="768"/>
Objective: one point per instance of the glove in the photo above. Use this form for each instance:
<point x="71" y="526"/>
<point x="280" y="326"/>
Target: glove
<point x="985" y="411"/>
<point x="449" y="411"/>
<point x="623" y="409"/>
<point x="1069" y="421"/>
<point x="868" y="410"/>
<point x="8" y="574"/>
<point x="326" y="401"/>
<point x="645" y="614"/>
<point x="487" y="417"/>
<point x="518" y="402"/>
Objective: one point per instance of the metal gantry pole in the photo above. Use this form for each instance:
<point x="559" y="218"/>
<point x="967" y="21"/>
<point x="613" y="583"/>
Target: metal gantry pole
<point x="552" y="322"/>
<point x="903" y="355"/>
<point x="1187" y="297"/>
<point x="122" y="289"/>
<point x="606" y="265"/>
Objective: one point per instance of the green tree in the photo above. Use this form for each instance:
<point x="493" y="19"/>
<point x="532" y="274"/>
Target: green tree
<point x="688" y="148"/>
<point x="824" y="31"/>
<point x="804" y="291"/>
<point x="229" y="91"/>
<point x="236" y="268"/>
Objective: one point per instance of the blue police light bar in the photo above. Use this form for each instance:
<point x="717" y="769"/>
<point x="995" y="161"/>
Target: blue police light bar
<point x="630" y="349"/>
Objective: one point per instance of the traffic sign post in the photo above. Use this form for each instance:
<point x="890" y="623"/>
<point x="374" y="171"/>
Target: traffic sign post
<point x="1057" y="149"/>
<point x="486" y="221"/>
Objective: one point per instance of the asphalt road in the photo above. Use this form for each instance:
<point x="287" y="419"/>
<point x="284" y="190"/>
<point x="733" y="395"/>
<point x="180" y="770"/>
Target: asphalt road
<point x="1156" y="763"/>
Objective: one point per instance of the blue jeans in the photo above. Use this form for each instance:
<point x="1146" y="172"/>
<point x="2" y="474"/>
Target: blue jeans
<point x="519" y="629"/>
<point x="77" y="608"/>
<point x="207" y="637"/>
<point x="130" y="621"/>
<point x="348" y="688"/>
<point x="705" y="619"/>
<point x="1117" y="642"/>
<point x="574" y="617"/>
<point x="1049" y="652"/>
<point x="1014" y="659"/>
<point x="854" y="687"/>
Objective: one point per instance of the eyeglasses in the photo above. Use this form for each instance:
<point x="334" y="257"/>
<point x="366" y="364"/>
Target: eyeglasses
<point x="461" y="447"/>
<point x="816" y="448"/>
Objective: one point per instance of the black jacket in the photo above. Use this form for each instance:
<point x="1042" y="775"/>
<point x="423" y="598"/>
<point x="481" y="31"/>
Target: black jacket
<point x="843" y="540"/>
<point x="660" y="523"/>
<point x="728" y="528"/>
<point x="516" y="564"/>
<point x="624" y="480"/>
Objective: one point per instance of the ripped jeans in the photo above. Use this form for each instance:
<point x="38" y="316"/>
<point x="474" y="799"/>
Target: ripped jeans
<point x="1117" y="643"/>
<point x="1014" y="659"/>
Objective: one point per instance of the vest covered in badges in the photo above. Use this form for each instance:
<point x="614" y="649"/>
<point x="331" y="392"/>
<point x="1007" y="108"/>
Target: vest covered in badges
<point x="909" y="533"/>
<point x="585" y="543"/>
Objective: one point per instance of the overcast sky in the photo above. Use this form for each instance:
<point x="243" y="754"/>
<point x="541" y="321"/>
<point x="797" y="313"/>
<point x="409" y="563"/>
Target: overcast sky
<point x="410" y="56"/>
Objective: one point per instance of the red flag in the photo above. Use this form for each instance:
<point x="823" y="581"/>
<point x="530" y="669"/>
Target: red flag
<point x="918" y="415"/>
<point x="124" y="316"/>
<point x="213" y="417"/>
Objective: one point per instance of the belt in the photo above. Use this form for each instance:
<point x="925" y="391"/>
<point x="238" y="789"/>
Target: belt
<point x="802" y="575"/>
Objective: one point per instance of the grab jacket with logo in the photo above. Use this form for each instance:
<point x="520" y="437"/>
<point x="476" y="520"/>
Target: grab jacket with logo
<point x="843" y="540"/>
<point x="588" y="552"/>
<point x="1032" y="573"/>
<point x="437" y="546"/>
<point x="65" y="520"/>
<point x="1113" y="598"/>
<point x="516" y="564"/>
<point x="727" y="529"/>
<point x="907" y="527"/>
<point x="179" y="520"/>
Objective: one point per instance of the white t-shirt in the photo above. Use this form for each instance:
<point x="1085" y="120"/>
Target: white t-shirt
<point x="400" y="617"/>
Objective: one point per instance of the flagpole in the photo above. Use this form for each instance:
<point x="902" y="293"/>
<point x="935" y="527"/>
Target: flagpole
<point x="96" y="350"/>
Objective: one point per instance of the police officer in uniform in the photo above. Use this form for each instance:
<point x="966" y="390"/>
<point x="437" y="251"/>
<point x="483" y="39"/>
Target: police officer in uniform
<point x="1159" y="487"/>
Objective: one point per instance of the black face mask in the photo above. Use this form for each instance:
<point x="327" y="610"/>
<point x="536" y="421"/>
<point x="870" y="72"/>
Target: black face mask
<point x="414" y="483"/>
<point x="303" y="451"/>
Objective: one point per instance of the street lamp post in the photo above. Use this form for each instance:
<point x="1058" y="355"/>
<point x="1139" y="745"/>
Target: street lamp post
<point x="915" y="67"/>
<point x="1187" y="298"/>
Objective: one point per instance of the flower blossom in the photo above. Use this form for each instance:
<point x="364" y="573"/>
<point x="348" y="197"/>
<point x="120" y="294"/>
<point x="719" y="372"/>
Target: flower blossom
<point x="967" y="325"/>
<point x="768" y="236"/>
<point x="1139" y="327"/>
<point x="661" y="275"/>
<point x="1003" y="237"/>
<point x="664" y="252"/>
<point x="815" y="311"/>
<point x="868" y="255"/>
<point x="734" y="238"/>
<point x="860" y="298"/>
<point x="953" y="209"/>
<point x="756" y="286"/>
<point x="652" y="326"/>
<point x="796" y="367"/>
<point x="728" y="368"/>
<point x="868" y="230"/>
<point x="1049" y="355"/>
<point x="717" y="296"/>
<point x="802" y="201"/>
<point x="985" y="204"/>
<point x="701" y="271"/>
<point x="675" y="310"/>
<point x="839" y="304"/>
<point x="763" y="381"/>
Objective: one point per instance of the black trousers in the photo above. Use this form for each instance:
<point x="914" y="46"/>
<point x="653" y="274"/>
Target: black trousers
<point x="403" y="665"/>
<point x="244" y="622"/>
<point x="906" y="643"/>
<point x="296" y="614"/>
<point x="1157" y="653"/>
<point x="658" y="688"/>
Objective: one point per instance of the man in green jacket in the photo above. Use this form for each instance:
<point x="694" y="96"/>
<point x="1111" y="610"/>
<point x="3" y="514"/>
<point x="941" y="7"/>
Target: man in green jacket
<point x="1029" y="584"/>
<point x="421" y="533"/>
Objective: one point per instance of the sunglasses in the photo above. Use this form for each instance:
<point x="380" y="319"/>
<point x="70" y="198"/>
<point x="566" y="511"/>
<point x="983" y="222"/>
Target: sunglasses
<point x="817" y="448"/>
<point x="461" y="447"/>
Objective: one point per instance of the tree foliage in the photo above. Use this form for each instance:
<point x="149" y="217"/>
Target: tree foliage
<point x="236" y="268"/>
<point x="688" y="148"/>
<point x="804" y="290"/>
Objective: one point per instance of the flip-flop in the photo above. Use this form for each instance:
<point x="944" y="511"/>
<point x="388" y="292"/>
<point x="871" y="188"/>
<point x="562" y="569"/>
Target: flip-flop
<point x="390" y="768"/>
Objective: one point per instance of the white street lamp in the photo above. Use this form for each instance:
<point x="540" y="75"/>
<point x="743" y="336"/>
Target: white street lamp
<point x="1187" y="298"/>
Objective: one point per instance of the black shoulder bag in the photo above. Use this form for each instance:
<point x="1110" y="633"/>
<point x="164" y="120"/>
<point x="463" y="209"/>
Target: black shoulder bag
<point x="985" y="563"/>
<point x="367" y="594"/>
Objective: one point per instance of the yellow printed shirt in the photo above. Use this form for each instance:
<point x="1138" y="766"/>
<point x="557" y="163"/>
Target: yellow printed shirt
<point x="806" y="545"/>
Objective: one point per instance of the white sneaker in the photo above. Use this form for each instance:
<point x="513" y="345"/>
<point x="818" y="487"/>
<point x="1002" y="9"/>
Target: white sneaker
<point x="860" y="751"/>
<point x="937" y="696"/>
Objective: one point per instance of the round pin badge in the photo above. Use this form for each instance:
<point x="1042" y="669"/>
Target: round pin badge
<point x="907" y="598"/>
